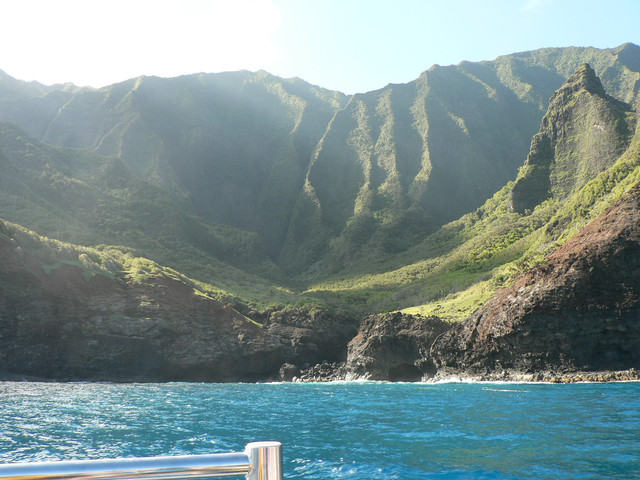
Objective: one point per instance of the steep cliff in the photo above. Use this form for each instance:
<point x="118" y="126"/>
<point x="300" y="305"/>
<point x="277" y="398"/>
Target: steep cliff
<point x="578" y="311"/>
<point x="79" y="314"/>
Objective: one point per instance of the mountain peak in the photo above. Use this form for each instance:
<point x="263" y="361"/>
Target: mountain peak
<point x="584" y="78"/>
<point x="629" y="56"/>
<point x="594" y="125"/>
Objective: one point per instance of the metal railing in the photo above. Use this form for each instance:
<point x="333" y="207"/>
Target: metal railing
<point x="259" y="461"/>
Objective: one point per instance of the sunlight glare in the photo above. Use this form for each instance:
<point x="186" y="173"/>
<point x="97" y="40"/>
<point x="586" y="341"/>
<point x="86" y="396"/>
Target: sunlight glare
<point x="98" y="43"/>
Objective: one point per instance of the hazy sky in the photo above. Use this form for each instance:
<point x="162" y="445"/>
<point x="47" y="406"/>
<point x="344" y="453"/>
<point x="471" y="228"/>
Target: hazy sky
<point x="347" y="45"/>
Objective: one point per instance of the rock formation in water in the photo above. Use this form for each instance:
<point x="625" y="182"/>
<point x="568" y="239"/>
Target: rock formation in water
<point x="393" y="346"/>
<point x="311" y="337"/>
<point x="580" y="311"/>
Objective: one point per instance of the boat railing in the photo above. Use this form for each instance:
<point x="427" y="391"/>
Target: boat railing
<point x="259" y="461"/>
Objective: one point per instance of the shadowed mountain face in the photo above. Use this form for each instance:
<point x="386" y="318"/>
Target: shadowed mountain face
<point x="234" y="146"/>
<point x="326" y="181"/>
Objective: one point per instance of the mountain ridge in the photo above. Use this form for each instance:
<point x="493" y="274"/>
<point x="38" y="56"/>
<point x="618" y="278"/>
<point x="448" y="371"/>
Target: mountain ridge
<point x="494" y="242"/>
<point x="304" y="209"/>
<point x="544" y="169"/>
<point x="414" y="140"/>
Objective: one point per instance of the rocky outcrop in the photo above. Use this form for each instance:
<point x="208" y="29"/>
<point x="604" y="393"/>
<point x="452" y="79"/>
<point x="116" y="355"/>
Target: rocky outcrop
<point x="394" y="347"/>
<point x="533" y="184"/>
<point x="311" y="337"/>
<point x="60" y="321"/>
<point x="545" y="376"/>
<point x="389" y="347"/>
<point x="322" y="372"/>
<point x="583" y="132"/>
<point x="580" y="311"/>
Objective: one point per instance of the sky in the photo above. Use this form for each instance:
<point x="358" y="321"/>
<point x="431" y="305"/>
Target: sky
<point x="347" y="45"/>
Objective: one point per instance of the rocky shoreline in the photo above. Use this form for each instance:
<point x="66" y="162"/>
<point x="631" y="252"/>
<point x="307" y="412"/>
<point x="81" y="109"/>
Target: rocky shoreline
<point x="572" y="319"/>
<point x="608" y="376"/>
<point x="338" y="372"/>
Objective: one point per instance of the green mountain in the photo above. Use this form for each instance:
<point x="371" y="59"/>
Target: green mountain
<point x="396" y="164"/>
<point x="232" y="147"/>
<point x="584" y="157"/>
<point x="275" y="192"/>
<point x="596" y="129"/>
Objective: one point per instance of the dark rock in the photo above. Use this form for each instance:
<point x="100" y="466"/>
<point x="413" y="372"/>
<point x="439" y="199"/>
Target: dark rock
<point x="311" y="336"/>
<point x="322" y="372"/>
<point x="62" y="325"/>
<point x="546" y="376"/>
<point x="288" y="372"/>
<point x="394" y="347"/>
<point x="580" y="311"/>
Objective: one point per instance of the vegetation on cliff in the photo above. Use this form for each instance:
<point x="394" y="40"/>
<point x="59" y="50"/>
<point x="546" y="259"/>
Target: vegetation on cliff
<point x="583" y="159"/>
<point x="576" y="312"/>
<point x="283" y="200"/>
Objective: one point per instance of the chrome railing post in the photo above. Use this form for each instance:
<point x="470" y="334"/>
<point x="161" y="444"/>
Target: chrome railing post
<point x="265" y="459"/>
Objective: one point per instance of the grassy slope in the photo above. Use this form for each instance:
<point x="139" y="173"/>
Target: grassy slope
<point x="116" y="263"/>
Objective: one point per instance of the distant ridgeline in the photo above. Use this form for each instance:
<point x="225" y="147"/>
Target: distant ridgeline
<point x="295" y="209"/>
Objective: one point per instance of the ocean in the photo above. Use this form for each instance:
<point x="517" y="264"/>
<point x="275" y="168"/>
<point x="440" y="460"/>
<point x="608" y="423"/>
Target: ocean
<point x="359" y="430"/>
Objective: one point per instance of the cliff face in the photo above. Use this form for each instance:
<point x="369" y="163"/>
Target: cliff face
<point x="60" y="320"/>
<point x="393" y="347"/>
<point x="578" y="311"/>
<point x="311" y="337"/>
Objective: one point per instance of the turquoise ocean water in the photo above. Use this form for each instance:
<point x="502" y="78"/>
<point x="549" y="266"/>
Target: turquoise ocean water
<point x="340" y="430"/>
